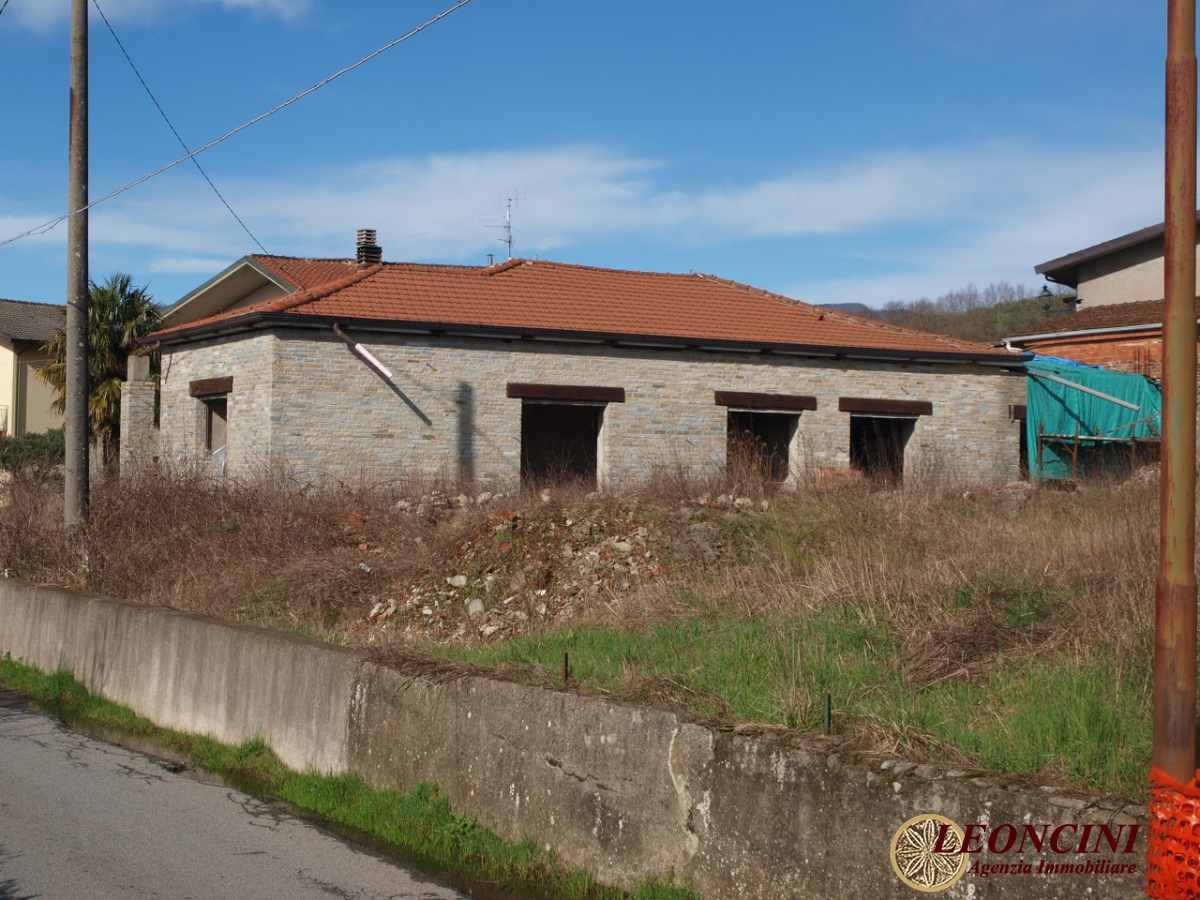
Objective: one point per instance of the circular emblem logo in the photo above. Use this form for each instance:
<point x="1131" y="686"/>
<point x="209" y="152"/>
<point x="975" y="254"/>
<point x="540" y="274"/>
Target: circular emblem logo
<point x="918" y="860"/>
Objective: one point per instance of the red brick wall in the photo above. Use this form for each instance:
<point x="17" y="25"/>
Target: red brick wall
<point x="1141" y="352"/>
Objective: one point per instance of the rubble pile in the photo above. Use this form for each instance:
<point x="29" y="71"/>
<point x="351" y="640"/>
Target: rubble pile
<point x="525" y="569"/>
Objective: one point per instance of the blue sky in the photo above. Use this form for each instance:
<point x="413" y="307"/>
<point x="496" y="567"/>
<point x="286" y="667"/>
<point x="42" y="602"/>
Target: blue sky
<point x="835" y="152"/>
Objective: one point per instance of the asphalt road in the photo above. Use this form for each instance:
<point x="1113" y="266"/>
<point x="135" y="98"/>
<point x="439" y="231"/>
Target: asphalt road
<point x="84" y="820"/>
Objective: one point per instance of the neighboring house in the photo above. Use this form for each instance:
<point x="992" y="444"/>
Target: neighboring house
<point x="26" y="400"/>
<point x="1127" y="269"/>
<point x="1125" y="337"/>
<point x="364" y="370"/>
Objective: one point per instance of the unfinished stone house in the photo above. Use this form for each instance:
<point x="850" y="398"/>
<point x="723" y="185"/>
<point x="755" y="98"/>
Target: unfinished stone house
<point x="367" y="371"/>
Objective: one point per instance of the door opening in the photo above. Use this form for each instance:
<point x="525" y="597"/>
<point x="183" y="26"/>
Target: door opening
<point x="877" y="446"/>
<point x="560" y="442"/>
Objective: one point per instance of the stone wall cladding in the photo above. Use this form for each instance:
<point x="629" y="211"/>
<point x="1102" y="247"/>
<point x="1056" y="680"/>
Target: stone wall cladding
<point x="329" y="414"/>
<point x="248" y="359"/>
<point x="139" y="437"/>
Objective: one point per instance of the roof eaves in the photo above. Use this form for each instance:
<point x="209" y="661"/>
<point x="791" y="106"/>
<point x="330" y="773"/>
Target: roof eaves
<point x="1057" y="270"/>
<point x="263" y="318"/>
<point x="1082" y="332"/>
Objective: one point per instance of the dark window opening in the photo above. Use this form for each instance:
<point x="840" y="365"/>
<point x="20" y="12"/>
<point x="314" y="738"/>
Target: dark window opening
<point x="560" y="442"/>
<point x="1023" y="453"/>
<point x="877" y="446"/>
<point x="216" y="419"/>
<point x="757" y="444"/>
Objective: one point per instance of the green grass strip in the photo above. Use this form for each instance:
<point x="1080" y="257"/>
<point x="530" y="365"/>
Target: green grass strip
<point x="1065" y="717"/>
<point x="419" y="826"/>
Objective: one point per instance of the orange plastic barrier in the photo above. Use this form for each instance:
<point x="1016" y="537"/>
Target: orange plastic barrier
<point x="1173" y="849"/>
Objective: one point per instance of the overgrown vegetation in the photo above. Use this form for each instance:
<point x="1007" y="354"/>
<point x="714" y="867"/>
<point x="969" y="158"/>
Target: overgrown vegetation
<point x="419" y="826"/>
<point x="118" y="315"/>
<point x="34" y="454"/>
<point x="1006" y="630"/>
<point x="989" y="315"/>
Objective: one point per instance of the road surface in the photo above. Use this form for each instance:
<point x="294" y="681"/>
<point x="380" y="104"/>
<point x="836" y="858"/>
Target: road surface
<point x="84" y="820"/>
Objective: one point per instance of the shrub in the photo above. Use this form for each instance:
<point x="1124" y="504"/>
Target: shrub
<point x="35" y="453"/>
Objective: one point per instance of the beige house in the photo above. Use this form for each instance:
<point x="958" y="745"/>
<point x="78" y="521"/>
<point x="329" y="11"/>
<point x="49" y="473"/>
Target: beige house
<point x="1126" y="269"/>
<point x="26" y="400"/>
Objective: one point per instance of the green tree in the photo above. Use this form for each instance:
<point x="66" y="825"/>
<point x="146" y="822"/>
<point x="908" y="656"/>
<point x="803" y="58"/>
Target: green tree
<point x="118" y="314"/>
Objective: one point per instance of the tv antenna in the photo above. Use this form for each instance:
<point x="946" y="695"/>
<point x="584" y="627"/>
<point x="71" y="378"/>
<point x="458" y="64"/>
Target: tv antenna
<point x="510" y="203"/>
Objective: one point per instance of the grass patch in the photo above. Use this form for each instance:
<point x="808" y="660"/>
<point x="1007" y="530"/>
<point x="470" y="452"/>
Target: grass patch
<point x="755" y="670"/>
<point x="1061" y="718"/>
<point x="419" y="826"/>
<point x="1083" y="720"/>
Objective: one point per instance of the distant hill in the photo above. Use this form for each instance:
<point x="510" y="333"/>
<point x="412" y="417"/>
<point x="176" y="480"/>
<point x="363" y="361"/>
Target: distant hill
<point x="987" y="316"/>
<point x="855" y="309"/>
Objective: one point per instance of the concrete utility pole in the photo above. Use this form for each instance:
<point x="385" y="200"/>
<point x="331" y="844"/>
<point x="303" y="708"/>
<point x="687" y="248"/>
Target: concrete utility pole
<point x="75" y="494"/>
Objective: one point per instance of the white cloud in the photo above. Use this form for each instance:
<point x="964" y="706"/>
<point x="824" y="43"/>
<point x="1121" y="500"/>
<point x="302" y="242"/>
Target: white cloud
<point x="42" y="15"/>
<point x="922" y="222"/>
<point x="1030" y="207"/>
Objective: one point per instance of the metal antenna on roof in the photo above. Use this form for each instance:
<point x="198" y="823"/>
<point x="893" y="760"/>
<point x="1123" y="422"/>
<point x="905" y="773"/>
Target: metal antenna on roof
<point x="510" y="202"/>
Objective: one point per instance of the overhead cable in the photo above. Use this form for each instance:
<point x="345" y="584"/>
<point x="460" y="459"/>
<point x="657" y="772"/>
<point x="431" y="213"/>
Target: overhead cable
<point x="47" y="226"/>
<point x="162" y="112"/>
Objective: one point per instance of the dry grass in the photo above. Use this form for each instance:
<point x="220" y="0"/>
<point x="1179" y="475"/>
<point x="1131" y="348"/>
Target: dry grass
<point x="947" y="592"/>
<point x="959" y="582"/>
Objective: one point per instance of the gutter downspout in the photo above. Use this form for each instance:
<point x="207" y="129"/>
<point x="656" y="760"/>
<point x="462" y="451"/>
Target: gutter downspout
<point x="362" y="352"/>
<point x="380" y="369"/>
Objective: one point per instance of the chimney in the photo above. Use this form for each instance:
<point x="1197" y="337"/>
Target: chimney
<point x="369" y="252"/>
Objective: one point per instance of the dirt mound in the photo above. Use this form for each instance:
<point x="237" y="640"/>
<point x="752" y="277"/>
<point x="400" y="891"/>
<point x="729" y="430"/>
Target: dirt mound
<point x="522" y="570"/>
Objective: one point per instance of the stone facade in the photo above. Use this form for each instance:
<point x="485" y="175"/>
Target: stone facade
<point x="304" y="401"/>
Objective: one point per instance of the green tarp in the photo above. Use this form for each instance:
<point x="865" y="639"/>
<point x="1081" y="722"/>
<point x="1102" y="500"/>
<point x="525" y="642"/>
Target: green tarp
<point x="1066" y="411"/>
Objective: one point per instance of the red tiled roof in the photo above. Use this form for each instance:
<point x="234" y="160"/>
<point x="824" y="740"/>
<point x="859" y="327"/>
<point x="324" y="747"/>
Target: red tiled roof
<point x="547" y="297"/>
<point x="1114" y="315"/>
<point x="304" y="274"/>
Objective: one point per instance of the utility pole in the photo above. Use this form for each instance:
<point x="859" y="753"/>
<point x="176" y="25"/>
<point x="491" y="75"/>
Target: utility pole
<point x="75" y="493"/>
<point x="1173" y="846"/>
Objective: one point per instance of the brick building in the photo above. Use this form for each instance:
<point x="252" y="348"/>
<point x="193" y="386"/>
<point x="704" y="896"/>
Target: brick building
<point x="364" y="370"/>
<point x="1124" y="337"/>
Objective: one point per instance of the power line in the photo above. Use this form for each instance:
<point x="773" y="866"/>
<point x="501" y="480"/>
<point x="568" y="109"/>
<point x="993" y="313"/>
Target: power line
<point x="162" y="112"/>
<point x="47" y="226"/>
<point x="3" y="7"/>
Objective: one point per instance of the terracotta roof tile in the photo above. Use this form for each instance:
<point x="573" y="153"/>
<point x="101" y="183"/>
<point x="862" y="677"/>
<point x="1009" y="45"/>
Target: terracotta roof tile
<point x="24" y="321"/>
<point x="556" y="297"/>
<point x="303" y="274"/>
<point x="1114" y="315"/>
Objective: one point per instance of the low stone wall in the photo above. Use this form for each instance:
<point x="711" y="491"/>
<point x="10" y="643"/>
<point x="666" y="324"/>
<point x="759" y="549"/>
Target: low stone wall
<point x="622" y="789"/>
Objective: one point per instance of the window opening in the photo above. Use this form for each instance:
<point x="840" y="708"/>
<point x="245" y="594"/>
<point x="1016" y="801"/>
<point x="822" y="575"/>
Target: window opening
<point x="757" y="444"/>
<point x="216" y="424"/>
<point x="560" y="442"/>
<point x="877" y="446"/>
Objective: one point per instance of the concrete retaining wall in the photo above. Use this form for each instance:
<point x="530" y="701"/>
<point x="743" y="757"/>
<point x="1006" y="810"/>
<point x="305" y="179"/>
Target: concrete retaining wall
<point x="621" y="789"/>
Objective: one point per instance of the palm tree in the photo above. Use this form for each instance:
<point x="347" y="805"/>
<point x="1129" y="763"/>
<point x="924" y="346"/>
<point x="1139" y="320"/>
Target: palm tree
<point x="118" y="314"/>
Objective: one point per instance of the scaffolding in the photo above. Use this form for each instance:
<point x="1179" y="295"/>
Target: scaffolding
<point x="1073" y="444"/>
<point x="1085" y="421"/>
